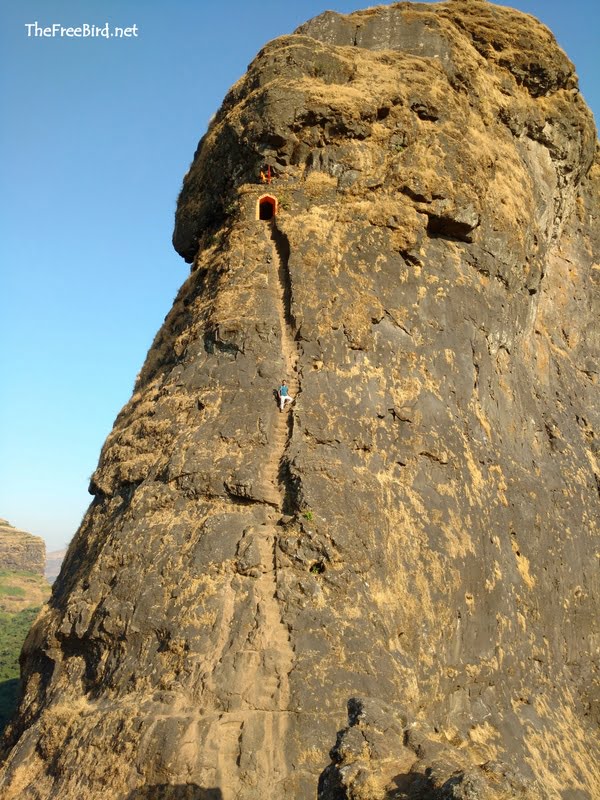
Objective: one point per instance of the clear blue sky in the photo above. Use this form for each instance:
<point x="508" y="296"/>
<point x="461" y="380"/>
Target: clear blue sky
<point x="95" y="138"/>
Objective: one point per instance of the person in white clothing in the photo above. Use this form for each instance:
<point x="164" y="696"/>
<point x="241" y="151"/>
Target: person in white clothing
<point x="284" y="395"/>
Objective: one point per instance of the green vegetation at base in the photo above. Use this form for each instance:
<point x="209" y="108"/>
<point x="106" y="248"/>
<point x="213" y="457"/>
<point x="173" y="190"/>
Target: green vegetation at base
<point x="20" y="573"/>
<point x="20" y="591"/>
<point x="13" y="630"/>
<point x="12" y="591"/>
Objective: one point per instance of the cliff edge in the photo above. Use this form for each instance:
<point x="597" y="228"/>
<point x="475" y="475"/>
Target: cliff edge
<point x="391" y="589"/>
<point x="21" y="551"/>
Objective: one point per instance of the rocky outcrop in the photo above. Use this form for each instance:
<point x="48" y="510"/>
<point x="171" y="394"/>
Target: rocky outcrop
<point x="21" y="551"/>
<point x="383" y="753"/>
<point x="415" y="538"/>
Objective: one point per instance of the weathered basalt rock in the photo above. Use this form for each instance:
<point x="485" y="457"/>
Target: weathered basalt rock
<point x="419" y="530"/>
<point x="21" y="551"/>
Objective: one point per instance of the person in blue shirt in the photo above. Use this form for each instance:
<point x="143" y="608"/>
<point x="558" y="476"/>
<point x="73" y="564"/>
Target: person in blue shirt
<point x="284" y="396"/>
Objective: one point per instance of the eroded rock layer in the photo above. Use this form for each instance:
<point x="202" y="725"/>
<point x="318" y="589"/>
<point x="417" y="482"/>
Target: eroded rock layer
<point x="414" y="540"/>
<point x="21" y="551"/>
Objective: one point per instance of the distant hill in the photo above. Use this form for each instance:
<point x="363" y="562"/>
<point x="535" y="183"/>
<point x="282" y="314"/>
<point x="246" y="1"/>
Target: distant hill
<point x="21" y="551"/>
<point x="54" y="561"/>
<point x="23" y="591"/>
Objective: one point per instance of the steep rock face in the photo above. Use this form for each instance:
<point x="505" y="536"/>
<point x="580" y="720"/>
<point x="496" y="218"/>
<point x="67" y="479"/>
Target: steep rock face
<point x="21" y="551"/>
<point x="415" y="538"/>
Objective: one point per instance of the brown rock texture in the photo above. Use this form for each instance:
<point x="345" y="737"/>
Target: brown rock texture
<point x="390" y="590"/>
<point x="21" y="551"/>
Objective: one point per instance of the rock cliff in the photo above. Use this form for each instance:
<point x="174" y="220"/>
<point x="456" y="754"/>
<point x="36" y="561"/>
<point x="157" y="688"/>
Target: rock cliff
<point x="391" y="590"/>
<point x="21" y="551"/>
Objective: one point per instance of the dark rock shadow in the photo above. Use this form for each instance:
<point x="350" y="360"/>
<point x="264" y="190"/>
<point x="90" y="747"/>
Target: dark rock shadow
<point x="165" y="791"/>
<point x="9" y="699"/>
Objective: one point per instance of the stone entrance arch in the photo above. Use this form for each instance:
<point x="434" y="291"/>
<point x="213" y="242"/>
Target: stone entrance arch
<point x="266" y="207"/>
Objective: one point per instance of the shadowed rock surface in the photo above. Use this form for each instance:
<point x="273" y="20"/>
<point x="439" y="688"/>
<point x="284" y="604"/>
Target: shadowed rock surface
<point x="170" y="792"/>
<point x="415" y="540"/>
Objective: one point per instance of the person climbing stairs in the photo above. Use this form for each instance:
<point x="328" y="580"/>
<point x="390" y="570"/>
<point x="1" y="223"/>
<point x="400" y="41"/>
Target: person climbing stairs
<point x="272" y="483"/>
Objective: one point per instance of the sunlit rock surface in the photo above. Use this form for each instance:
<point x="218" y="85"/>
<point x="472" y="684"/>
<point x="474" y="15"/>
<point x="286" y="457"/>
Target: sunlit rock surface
<point x="404" y="566"/>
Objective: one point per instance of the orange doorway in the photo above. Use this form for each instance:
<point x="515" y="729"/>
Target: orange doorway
<point x="267" y="207"/>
